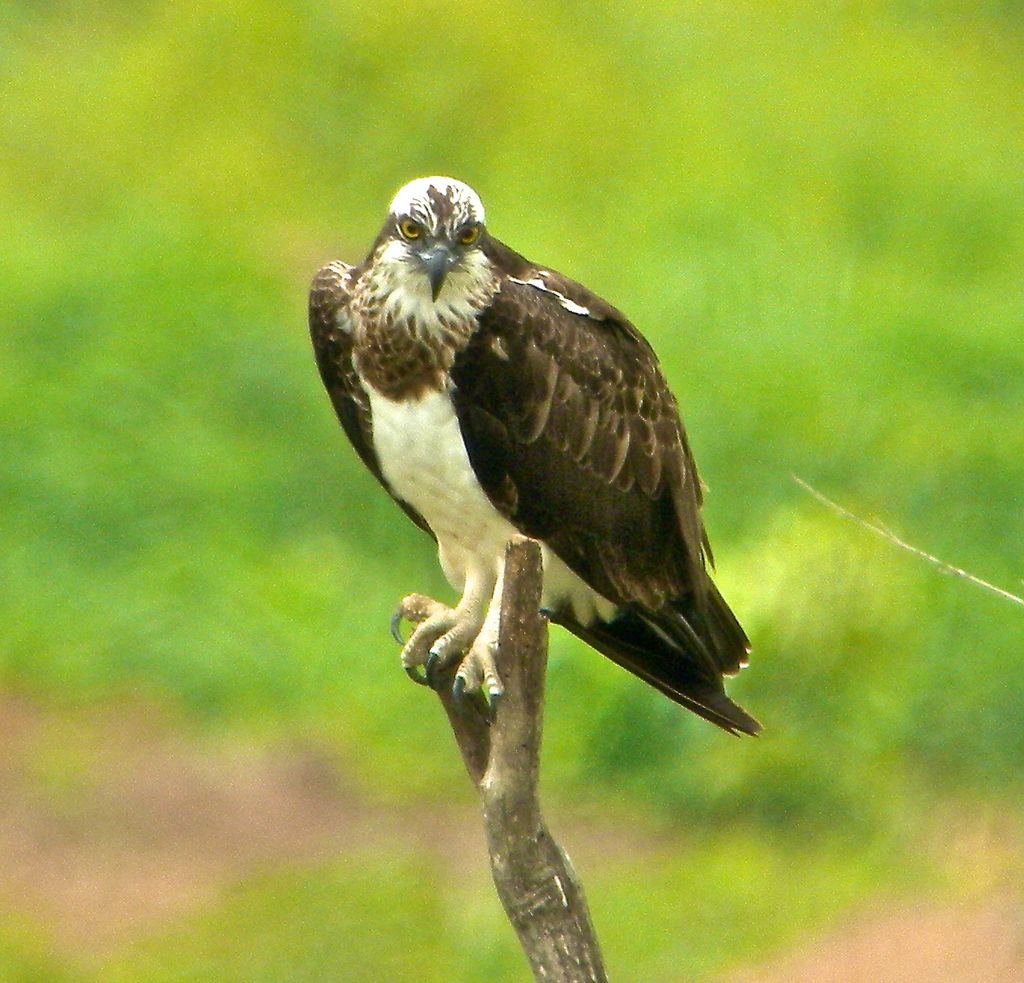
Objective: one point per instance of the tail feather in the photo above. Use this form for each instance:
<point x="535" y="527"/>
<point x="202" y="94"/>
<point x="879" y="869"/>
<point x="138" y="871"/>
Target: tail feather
<point x="729" y="635"/>
<point x="714" y="624"/>
<point x="683" y="660"/>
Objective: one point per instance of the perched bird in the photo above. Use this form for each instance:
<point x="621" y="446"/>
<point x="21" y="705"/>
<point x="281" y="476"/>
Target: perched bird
<point x="491" y="396"/>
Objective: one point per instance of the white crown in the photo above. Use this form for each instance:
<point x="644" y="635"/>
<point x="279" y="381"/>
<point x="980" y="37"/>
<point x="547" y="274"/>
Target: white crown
<point x="415" y="192"/>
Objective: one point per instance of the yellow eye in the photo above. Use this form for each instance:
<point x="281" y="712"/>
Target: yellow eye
<point x="410" y="229"/>
<point x="469" y="235"/>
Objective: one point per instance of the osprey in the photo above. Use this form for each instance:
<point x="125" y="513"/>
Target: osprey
<point x="491" y="396"/>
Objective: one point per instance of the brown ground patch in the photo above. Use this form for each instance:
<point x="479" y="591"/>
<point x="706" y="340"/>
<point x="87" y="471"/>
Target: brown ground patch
<point x="976" y="943"/>
<point x="115" y="824"/>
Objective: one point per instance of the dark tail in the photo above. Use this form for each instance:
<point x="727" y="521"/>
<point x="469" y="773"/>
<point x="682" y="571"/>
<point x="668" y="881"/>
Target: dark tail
<point x="683" y="650"/>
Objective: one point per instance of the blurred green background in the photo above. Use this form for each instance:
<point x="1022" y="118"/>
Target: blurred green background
<point x="816" y="214"/>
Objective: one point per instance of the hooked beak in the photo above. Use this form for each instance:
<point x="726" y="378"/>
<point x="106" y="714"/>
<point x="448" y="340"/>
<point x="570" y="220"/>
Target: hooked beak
<point x="436" y="264"/>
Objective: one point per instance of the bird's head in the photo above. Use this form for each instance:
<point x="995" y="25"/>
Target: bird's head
<point x="435" y="226"/>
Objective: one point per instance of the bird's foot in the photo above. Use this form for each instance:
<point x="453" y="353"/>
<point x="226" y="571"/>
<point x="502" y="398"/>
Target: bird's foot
<point x="442" y="634"/>
<point x="478" y="670"/>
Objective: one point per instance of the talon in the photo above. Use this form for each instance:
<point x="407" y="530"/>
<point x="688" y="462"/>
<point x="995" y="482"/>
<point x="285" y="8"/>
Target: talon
<point x="413" y="673"/>
<point x="396" y="625"/>
<point x="440" y="637"/>
<point x="432" y="620"/>
<point x="430" y="669"/>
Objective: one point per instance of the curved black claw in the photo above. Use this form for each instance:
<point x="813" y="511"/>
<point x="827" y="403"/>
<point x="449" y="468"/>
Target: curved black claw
<point x="396" y="626"/>
<point x="434" y="662"/>
<point x="413" y="673"/>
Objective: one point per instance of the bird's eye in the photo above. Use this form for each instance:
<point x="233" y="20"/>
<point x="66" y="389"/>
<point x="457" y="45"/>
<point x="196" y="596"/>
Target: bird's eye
<point x="469" y="235"/>
<point x="410" y="229"/>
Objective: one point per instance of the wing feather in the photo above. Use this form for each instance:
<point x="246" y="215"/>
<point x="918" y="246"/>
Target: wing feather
<point x="604" y="476"/>
<point x="331" y="329"/>
<point x="580" y="422"/>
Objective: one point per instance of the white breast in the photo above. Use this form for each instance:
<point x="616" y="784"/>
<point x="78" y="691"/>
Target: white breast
<point x="423" y="457"/>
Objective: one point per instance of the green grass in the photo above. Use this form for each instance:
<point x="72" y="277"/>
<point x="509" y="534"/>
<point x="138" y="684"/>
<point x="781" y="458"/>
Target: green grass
<point x="383" y="918"/>
<point x="816" y="215"/>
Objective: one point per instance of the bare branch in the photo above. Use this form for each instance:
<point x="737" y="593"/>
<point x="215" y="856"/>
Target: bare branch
<point x="880" y="530"/>
<point x="536" y="883"/>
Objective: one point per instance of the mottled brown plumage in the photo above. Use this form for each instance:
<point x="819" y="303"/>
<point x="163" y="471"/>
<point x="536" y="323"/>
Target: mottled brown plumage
<point x="572" y="433"/>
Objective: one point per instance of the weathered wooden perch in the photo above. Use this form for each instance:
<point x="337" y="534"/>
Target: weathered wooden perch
<point x="536" y="883"/>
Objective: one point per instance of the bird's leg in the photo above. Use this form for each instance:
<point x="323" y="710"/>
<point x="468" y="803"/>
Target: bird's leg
<point x="442" y="633"/>
<point x="479" y="668"/>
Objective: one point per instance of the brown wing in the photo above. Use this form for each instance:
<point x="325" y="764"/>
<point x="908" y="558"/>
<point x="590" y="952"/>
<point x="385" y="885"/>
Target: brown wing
<point x="331" y="331"/>
<point x="575" y="436"/>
